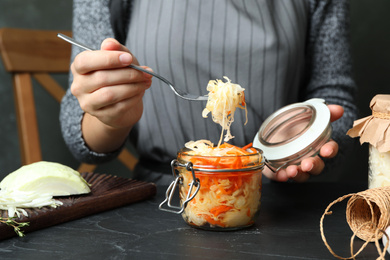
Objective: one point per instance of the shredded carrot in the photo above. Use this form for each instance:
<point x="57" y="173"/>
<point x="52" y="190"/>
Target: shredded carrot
<point x="212" y="221"/>
<point x="219" y="190"/>
<point x="247" y="146"/>
<point x="218" y="210"/>
<point x="243" y="103"/>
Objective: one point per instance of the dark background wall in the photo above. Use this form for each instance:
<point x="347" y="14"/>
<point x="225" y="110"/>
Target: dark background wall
<point x="370" y="40"/>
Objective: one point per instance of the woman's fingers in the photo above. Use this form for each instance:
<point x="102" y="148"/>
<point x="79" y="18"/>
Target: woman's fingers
<point x="309" y="166"/>
<point x="329" y="150"/>
<point x="111" y="56"/>
<point x="111" y="44"/>
<point x="89" y="61"/>
<point x="295" y="173"/>
<point x="91" y="82"/>
<point x="110" y="95"/>
<point x="276" y="176"/>
<point x="336" y="112"/>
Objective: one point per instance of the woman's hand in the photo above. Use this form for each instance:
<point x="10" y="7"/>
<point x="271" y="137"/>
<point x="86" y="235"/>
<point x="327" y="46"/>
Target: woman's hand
<point x="312" y="165"/>
<point x="109" y="93"/>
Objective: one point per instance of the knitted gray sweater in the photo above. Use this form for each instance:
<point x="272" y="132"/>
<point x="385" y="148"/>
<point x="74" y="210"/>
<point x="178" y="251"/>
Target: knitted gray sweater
<point x="280" y="51"/>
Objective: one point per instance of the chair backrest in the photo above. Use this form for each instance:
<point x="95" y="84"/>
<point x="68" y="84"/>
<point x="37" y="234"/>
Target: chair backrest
<point x="37" y="53"/>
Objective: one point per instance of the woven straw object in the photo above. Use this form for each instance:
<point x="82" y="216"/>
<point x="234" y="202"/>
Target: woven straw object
<point x="373" y="206"/>
<point x="367" y="214"/>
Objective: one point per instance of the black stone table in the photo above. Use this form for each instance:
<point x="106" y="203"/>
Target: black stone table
<point x="287" y="228"/>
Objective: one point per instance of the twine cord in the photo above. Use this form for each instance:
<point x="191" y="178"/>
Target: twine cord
<point x="381" y="115"/>
<point x="367" y="223"/>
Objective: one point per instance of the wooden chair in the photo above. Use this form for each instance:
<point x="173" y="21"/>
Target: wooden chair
<point x="37" y="53"/>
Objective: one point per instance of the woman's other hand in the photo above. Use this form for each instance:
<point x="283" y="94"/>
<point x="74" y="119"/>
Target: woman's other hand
<point x="312" y="165"/>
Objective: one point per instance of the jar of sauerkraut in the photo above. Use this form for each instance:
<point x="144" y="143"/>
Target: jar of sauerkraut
<point x="217" y="192"/>
<point x="221" y="191"/>
<point x="379" y="168"/>
<point x="375" y="130"/>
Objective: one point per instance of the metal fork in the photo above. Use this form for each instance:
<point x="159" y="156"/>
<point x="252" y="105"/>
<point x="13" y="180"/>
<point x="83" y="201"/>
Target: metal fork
<point x="178" y="92"/>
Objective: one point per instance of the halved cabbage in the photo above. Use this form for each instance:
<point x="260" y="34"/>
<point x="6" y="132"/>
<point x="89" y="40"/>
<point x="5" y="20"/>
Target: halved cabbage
<point x="34" y="185"/>
<point x="46" y="177"/>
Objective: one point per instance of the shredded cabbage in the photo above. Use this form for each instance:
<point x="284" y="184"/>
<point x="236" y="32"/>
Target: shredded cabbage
<point x="34" y="185"/>
<point x="16" y="201"/>
<point x="200" y="147"/>
<point x="206" y="148"/>
<point x="226" y="199"/>
<point x="239" y="206"/>
<point x="223" y="99"/>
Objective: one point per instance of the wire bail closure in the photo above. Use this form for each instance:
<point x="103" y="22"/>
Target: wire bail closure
<point x="169" y="194"/>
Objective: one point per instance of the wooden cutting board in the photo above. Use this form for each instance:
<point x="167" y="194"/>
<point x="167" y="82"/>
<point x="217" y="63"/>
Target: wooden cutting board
<point x="107" y="192"/>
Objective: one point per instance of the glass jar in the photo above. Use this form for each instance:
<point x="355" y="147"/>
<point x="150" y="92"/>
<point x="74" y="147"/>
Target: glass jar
<point x="217" y="192"/>
<point x="374" y="130"/>
<point x="379" y="168"/>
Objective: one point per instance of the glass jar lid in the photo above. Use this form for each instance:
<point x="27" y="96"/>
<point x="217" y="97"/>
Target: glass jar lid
<point x="294" y="132"/>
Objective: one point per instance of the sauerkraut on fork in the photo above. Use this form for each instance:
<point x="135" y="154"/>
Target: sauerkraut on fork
<point x="223" y="100"/>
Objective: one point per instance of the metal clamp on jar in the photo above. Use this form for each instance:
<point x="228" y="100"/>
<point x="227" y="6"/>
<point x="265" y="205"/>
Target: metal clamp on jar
<point x="170" y="193"/>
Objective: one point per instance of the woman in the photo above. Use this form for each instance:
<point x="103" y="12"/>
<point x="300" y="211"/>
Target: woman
<point x="281" y="52"/>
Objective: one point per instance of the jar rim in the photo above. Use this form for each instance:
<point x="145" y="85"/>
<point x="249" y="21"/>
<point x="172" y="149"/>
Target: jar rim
<point x="250" y="166"/>
<point x="186" y="151"/>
